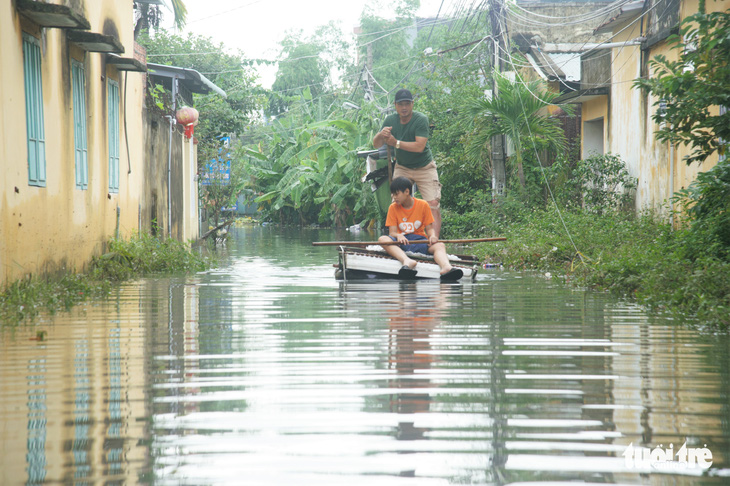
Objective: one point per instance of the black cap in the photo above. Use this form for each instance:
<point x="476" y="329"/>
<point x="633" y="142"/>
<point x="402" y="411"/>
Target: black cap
<point x="403" y="95"/>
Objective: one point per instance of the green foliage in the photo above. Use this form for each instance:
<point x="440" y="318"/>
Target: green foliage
<point x="707" y="203"/>
<point x="464" y="181"/>
<point x="156" y="95"/>
<point x="149" y="15"/>
<point x="638" y="257"/>
<point x="695" y="85"/>
<point x="449" y="83"/>
<point x="385" y="41"/>
<point x="26" y="298"/>
<point x="220" y="191"/>
<point x="228" y="70"/>
<point x="143" y="254"/>
<point x="484" y="217"/>
<point x="605" y="183"/>
<point x="307" y="64"/>
<point x="306" y="171"/>
<point x="516" y="113"/>
<point x="561" y="178"/>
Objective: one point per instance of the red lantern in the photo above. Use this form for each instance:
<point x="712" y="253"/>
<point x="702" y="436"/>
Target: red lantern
<point x="186" y="115"/>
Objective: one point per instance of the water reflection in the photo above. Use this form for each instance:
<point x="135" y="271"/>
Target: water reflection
<point x="268" y="371"/>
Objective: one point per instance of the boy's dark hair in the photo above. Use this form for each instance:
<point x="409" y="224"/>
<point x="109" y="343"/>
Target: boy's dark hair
<point x="400" y="184"/>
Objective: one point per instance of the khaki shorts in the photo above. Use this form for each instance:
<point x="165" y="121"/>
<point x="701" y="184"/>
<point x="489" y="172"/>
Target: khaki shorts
<point x="426" y="178"/>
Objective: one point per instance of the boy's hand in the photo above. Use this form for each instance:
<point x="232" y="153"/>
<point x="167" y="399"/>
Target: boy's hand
<point x="401" y="238"/>
<point x="433" y="239"/>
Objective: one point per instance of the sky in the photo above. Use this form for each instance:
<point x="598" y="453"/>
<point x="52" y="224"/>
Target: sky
<point x="257" y="26"/>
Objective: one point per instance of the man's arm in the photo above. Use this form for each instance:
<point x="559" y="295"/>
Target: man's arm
<point x="418" y="146"/>
<point x="382" y="137"/>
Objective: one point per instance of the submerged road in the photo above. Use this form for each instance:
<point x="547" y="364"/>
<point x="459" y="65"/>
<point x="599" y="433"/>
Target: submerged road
<point x="267" y="371"/>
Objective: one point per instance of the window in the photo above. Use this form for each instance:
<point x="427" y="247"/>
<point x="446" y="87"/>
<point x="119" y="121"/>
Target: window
<point x="78" y="82"/>
<point x="34" y="111"/>
<point x="113" y="109"/>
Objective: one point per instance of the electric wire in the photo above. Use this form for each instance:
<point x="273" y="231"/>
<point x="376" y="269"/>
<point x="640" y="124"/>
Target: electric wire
<point x="413" y="69"/>
<point x="542" y="169"/>
<point x="434" y="26"/>
<point x="614" y="73"/>
<point x="609" y="8"/>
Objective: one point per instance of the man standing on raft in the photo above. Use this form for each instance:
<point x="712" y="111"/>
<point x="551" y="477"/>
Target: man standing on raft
<point x="407" y="131"/>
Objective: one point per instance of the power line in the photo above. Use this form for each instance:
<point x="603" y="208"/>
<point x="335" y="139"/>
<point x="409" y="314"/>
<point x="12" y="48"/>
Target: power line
<point x="603" y="10"/>
<point x="542" y="169"/>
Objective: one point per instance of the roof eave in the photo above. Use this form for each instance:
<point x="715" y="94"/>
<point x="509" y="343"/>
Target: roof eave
<point x="626" y="14"/>
<point x="201" y="83"/>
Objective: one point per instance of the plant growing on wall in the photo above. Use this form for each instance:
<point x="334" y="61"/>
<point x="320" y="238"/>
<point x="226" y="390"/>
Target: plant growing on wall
<point x="694" y="86"/>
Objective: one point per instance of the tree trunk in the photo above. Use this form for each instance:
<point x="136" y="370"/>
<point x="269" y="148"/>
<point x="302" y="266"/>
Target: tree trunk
<point x="499" y="173"/>
<point x="143" y="20"/>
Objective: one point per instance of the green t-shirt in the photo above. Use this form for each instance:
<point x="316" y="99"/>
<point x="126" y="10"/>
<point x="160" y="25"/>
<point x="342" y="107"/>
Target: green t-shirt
<point x="417" y="127"/>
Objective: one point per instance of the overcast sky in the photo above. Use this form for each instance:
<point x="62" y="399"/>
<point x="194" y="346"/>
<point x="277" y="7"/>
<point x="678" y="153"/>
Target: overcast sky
<point x="257" y="26"/>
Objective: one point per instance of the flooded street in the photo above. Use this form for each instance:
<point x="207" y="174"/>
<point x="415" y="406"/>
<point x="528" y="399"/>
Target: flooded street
<point x="268" y="371"/>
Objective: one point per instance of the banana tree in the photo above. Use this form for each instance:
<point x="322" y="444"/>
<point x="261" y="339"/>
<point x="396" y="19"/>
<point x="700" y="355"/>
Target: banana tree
<point x="312" y="172"/>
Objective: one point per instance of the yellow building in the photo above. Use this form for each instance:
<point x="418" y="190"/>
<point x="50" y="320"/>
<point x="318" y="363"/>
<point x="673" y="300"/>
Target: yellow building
<point x="81" y="158"/>
<point x="616" y="116"/>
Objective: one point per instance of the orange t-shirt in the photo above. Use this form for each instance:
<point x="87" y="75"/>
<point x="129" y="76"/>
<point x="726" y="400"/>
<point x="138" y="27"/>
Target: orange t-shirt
<point x="413" y="220"/>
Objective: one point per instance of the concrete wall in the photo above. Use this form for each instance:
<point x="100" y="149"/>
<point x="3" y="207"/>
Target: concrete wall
<point x="625" y="115"/>
<point x="595" y="67"/>
<point x="181" y="222"/>
<point x="549" y="30"/>
<point x="60" y="227"/>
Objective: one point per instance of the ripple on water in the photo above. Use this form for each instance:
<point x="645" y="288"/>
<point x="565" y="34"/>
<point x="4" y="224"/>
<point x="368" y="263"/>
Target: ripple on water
<point x="268" y="371"/>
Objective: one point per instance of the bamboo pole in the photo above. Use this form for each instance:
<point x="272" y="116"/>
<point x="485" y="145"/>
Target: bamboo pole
<point x="368" y="243"/>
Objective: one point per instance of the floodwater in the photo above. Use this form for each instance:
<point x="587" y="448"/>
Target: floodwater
<point x="267" y="371"/>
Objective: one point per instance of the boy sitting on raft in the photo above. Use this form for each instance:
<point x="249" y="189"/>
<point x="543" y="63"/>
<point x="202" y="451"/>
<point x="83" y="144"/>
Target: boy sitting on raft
<point x="410" y="219"/>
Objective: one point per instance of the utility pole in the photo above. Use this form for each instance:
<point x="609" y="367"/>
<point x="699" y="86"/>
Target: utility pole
<point x="499" y="173"/>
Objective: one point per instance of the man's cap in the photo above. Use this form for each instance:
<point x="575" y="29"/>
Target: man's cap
<point x="403" y="95"/>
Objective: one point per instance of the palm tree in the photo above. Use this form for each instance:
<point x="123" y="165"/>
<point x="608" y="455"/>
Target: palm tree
<point x="515" y="113"/>
<point x="149" y="15"/>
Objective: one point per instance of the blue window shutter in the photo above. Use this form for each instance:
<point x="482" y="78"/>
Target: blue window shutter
<point x="80" y="136"/>
<point x="34" y="111"/>
<point x="113" y="110"/>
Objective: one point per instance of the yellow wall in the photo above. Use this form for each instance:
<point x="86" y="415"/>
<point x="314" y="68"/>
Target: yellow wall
<point x="60" y="227"/>
<point x="593" y="110"/>
<point x="630" y="132"/>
